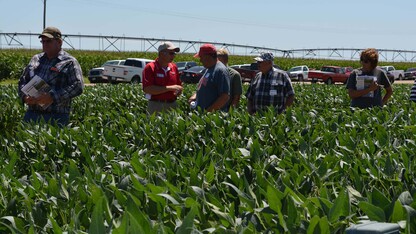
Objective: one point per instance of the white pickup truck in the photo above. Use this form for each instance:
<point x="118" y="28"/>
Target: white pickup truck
<point x="130" y="72"/>
<point x="398" y="74"/>
<point x="299" y="73"/>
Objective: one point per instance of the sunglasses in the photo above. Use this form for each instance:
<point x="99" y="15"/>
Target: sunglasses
<point x="365" y="61"/>
<point x="46" y="41"/>
<point x="170" y="52"/>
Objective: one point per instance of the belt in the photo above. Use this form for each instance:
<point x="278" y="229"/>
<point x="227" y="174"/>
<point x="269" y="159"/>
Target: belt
<point x="164" y="101"/>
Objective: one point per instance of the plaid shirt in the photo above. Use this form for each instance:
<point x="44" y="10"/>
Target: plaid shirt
<point x="270" y="90"/>
<point x="63" y="74"/>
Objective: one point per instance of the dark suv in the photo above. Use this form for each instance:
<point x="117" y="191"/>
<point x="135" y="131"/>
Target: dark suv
<point x="182" y="66"/>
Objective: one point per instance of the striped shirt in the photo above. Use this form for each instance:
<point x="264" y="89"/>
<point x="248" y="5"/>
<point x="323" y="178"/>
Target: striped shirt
<point x="413" y="92"/>
<point x="271" y="89"/>
<point x="63" y="74"/>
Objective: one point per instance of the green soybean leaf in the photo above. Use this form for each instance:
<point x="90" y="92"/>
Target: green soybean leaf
<point x="378" y="199"/>
<point x="97" y="218"/>
<point x="139" y="222"/>
<point x="56" y="228"/>
<point x="399" y="212"/>
<point x="169" y="197"/>
<point x="373" y="212"/>
<point x="340" y="208"/>
<point x="274" y="198"/>
<point x="324" y="226"/>
<point x="124" y="225"/>
<point x="313" y="227"/>
<point x="187" y="225"/>
<point x="209" y="176"/>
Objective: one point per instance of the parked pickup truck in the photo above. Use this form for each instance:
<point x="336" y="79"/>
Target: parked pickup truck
<point x="130" y="72"/>
<point x="248" y="71"/>
<point x="95" y="75"/>
<point x="410" y="73"/>
<point x="300" y="73"/>
<point x="398" y="74"/>
<point x="330" y="74"/>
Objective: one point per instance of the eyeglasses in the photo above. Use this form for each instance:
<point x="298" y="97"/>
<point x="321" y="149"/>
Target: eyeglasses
<point x="46" y="41"/>
<point x="365" y="61"/>
<point x="170" y="52"/>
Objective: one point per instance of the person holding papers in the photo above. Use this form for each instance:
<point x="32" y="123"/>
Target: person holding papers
<point x="50" y="81"/>
<point x="365" y="84"/>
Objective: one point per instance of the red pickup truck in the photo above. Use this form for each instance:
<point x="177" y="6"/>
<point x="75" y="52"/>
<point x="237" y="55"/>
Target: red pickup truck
<point x="248" y="71"/>
<point x="330" y="74"/>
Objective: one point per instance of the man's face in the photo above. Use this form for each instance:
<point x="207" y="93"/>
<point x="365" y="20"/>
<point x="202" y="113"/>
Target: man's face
<point x="167" y="56"/>
<point x="207" y="60"/>
<point x="223" y="59"/>
<point x="367" y="66"/>
<point x="51" y="46"/>
<point x="264" y="66"/>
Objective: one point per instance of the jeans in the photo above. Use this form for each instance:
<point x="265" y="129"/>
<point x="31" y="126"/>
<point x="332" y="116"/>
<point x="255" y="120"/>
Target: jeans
<point x="61" y="119"/>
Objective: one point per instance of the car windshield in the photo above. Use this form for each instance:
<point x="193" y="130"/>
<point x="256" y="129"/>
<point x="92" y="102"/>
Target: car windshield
<point x="411" y="69"/>
<point x="295" y="69"/>
<point x="328" y="69"/>
<point x="110" y="62"/>
<point x="180" y="64"/>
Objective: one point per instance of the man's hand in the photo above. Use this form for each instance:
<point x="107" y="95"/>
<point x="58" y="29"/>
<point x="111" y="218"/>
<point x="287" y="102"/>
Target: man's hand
<point x="43" y="99"/>
<point x="177" y="89"/>
<point x="373" y="86"/>
<point x="192" y="98"/>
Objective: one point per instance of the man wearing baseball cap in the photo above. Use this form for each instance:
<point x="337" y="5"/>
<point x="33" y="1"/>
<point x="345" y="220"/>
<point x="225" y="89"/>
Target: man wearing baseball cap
<point x="161" y="81"/>
<point x="63" y="76"/>
<point x="270" y="88"/>
<point x="213" y="89"/>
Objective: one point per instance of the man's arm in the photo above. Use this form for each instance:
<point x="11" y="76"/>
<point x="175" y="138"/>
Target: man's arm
<point x="250" y="107"/>
<point x="156" y="89"/>
<point x="289" y="101"/>
<point x="237" y="86"/>
<point x="389" y="92"/>
<point x="235" y="100"/>
<point x="219" y="103"/>
<point x="353" y="93"/>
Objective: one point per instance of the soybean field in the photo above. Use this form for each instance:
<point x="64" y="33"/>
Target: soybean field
<point x="317" y="168"/>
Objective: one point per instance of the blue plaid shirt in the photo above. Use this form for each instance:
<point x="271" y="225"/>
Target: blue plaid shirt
<point x="63" y="74"/>
<point x="271" y="89"/>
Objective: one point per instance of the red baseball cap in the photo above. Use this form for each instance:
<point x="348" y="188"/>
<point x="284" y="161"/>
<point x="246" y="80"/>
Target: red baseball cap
<point x="206" y="49"/>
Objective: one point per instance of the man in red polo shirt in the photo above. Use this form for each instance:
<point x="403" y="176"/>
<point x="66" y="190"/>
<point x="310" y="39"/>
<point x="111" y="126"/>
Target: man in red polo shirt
<point x="161" y="81"/>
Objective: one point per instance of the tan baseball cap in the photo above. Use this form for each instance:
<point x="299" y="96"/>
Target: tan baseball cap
<point x="51" y="32"/>
<point x="167" y="45"/>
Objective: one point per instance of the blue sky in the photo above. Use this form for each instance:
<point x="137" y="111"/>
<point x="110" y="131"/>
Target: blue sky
<point x="289" y="24"/>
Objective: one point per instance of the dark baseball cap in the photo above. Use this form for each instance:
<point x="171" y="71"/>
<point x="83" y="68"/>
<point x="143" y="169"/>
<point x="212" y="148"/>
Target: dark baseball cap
<point x="264" y="56"/>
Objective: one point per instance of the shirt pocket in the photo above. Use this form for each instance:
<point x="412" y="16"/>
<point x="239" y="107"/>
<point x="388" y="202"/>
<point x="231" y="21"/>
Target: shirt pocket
<point x="276" y="88"/>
